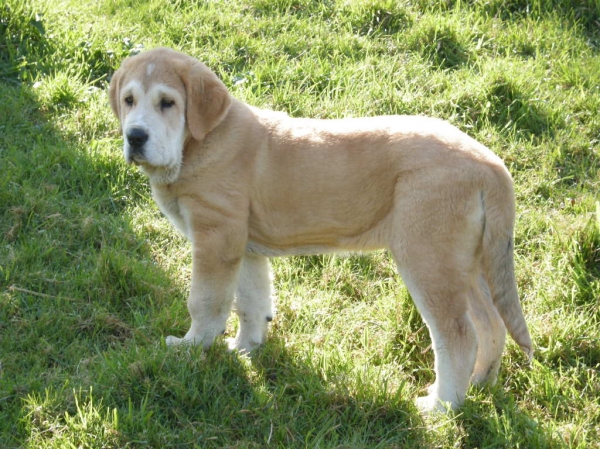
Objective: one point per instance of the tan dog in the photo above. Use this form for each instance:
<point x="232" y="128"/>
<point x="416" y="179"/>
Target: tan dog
<point x="245" y="184"/>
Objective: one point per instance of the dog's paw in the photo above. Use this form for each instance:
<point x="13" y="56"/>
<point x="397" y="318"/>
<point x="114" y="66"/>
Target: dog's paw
<point x="174" y="341"/>
<point x="240" y="346"/>
<point x="185" y="341"/>
<point x="431" y="389"/>
<point x="431" y="404"/>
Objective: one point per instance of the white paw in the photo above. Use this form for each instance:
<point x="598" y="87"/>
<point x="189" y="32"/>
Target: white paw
<point x="240" y="346"/>
<point x="433" y="404"/>
<point x="174" y="341"/>
<point x="431" y="389"/>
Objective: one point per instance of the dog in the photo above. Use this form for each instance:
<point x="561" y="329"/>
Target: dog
<point x="245" y="184"/>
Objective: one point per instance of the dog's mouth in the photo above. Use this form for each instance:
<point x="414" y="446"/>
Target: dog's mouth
<point x="136" y="160"/>
<point x="135" y="155"/>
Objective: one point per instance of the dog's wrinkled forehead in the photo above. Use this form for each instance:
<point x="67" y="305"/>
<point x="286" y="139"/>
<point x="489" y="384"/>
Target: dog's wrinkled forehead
<point x="156" y="67"/>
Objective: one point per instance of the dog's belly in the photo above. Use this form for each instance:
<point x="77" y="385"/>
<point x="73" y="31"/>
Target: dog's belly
<point x="275" y="241"/>
<point x="272" y="251"/>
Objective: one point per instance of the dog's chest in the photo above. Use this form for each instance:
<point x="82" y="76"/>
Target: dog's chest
<point x="169" y="205"/>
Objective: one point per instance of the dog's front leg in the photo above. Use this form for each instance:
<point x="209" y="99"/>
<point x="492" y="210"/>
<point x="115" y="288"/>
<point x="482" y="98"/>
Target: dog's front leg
<point x="215" y="266"/>
<point x="253" y="303"/>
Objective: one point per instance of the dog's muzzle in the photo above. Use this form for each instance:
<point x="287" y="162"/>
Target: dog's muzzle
<point x="136" y="139"/>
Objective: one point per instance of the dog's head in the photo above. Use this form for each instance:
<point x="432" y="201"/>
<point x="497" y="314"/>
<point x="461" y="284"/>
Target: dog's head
<point x="163" y="97"/>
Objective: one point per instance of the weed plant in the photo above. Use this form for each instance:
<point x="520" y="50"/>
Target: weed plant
<point x="92" y="277"/>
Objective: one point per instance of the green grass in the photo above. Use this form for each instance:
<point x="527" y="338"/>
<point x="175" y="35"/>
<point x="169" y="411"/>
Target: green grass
<point x="92" y="277"/>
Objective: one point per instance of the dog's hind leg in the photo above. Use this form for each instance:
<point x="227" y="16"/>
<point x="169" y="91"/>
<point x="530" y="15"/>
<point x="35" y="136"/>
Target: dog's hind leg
<point x="436" y="244"/>
<point x="491" y="333"/>
<point x="444" y="308"/>
<point x="253" y="303"/>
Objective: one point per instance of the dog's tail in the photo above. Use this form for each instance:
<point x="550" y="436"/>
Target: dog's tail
<point x="498" y="255"/>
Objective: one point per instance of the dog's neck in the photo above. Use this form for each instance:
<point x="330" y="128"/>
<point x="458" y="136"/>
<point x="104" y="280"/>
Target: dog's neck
<point x="161" y="176"/>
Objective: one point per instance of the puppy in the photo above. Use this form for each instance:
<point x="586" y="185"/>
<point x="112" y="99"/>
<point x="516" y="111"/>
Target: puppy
<point x="245" y="184"/>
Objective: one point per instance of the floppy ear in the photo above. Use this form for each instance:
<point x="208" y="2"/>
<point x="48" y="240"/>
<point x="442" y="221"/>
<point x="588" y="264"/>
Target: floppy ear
<point x="113" y="92"/>
<point x="207" y="101"/>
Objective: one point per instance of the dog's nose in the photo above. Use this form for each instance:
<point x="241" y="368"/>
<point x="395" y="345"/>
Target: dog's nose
<point x="137" y="137"/>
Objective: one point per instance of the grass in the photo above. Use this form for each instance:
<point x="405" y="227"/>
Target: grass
<point x="92" y="277"/>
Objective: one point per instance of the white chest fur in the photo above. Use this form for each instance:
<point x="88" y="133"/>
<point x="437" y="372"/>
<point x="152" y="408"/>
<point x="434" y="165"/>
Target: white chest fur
<point x="169" y="205"/>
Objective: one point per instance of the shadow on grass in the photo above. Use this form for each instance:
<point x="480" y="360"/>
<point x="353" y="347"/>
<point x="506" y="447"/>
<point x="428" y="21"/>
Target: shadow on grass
<point x="502" y="103"/>
<point x="185" y="396"/>
<point x="441" y="45"/>
<point x="220" y="399"/>
<point x="74" y="276"/>
<point x="502" y="424"/>
<point x="320" y="406"/>
<point x="578" y="13"/>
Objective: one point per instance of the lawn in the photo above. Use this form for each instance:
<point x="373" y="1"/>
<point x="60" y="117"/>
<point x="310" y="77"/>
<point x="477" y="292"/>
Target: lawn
<point x="93" y="277"/>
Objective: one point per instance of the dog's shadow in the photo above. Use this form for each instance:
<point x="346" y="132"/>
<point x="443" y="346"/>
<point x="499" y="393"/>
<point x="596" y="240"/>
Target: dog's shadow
<point x="274" y="396"/>
<point x="323" y="406"/>
<point x="307" y="401"/>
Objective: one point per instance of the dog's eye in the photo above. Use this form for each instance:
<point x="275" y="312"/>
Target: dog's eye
<point x="129" y="100"/>
<point x="165" y="103"/>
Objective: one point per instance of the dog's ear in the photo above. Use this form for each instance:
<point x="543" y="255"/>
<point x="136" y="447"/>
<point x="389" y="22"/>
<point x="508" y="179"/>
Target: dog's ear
<point x="208" y="99"/>
<point x="114" y="90"/>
